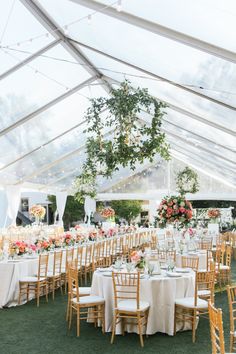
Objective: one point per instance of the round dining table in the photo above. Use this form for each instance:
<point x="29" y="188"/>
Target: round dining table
<point x="160" y="290"/>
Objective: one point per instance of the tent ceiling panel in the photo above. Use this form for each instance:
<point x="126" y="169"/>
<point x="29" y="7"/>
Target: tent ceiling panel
<point x="19" y="28"/>
<point x="189" y="67"/>
<point x="209" y="12"/>
<point x="186" y="101"/>
<point x="47" y="79"/>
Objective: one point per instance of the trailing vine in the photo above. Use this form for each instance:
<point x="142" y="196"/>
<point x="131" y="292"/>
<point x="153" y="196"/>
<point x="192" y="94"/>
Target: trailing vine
<point x="187" y="181"/>
<point x="117" y="137"/>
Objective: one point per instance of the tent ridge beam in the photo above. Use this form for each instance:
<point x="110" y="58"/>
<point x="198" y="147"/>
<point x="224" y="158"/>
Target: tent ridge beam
<point x="160" y="30"/>
<point x="44" y="18"/>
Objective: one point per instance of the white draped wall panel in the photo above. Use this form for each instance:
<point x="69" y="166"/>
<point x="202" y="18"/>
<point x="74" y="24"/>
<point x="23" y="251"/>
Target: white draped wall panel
<point x="61" y="198"/>
<point x="13" y="194"/>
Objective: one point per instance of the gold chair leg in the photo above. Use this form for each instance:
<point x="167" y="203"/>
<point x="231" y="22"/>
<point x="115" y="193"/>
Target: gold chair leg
<point x="19" y="297"/>
<point x="140" y="330"/>
<point x="114" y="328"/>
<point x="38" y="294"/>
<point x="78" y="321"/>
<point x="103" y="319"/>
<point x="194" y="326"/>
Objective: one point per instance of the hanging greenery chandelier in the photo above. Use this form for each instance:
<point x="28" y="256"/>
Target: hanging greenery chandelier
<point x="118" y="137"/>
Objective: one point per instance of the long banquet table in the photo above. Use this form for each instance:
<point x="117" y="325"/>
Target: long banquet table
<point x="159" y="290"/>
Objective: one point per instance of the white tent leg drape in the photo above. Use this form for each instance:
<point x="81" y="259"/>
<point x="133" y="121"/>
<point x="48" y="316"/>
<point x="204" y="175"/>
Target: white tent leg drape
<point x="61" y="204"/>
<point x="89" y="208"/>
<point x="13" y="194"/>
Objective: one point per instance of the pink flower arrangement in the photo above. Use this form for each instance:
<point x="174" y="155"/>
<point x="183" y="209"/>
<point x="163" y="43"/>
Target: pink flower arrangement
<point x="18" y="247"/>
<point x="213" y="213"/>
<point x="175" y="209"/>
<point x="135" y="256"/>
<point x="93" y="236"/>
<point x="108" y="212"/>
<point x="68" y="240"/>
<point x="38" y="211"/>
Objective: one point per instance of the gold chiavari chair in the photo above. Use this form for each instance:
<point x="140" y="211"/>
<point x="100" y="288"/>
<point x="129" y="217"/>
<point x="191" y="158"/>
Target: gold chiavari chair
<point x="128" y="306"/>
<point x="108" y="247"/>
<point x="64" y="270"/>
<point x="206" y="285"/>
<point x="54" y="275"/>
<point x="98" y="258"/>
<point x="87" y="263"/>
<point x="36" y="284"/>
<point x="190" y="262"/>
<point x="79" y="260"/>
<point x="231" y="291"/>
<point x="188" y="309"/>
<point x="83" y="290"/>
<point x="216" y="328"/>
<point x="114" y="250"/>
<point x="82" y="304"/>
<point x="223" y="265"/>
<point x="205" y="244"/>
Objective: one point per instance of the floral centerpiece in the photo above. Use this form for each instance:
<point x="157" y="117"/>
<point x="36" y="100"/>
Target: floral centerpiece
<point x="55" y="242"/>
<point x="213" y="215"/>
<point x="175" y="209"/>
<point x="38" y="211"/>
<point x="93" y="235"/>
<point x="137" y="257"/>
<point x="43" y="245"/>
<point x="18" y="248"/>
<point x="108" y="213"/>
<point x="68" y="240"/>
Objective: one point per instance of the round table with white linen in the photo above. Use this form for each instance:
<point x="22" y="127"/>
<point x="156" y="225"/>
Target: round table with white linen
<point x="159" y="290"/>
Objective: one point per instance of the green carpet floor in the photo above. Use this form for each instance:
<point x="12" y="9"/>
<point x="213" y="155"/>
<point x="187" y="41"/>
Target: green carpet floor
<point x="30" y="330"/>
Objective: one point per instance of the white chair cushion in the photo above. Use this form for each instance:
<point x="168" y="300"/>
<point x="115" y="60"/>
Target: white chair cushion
<point x="30" y="279"/>
<point x="91" y="299"/>
<point x="224" y="267"/>
<point x="204" y="292"/>
<point x="189" y="303"/>
<point x="83" y="290"/>
<point x="131" y="305"/>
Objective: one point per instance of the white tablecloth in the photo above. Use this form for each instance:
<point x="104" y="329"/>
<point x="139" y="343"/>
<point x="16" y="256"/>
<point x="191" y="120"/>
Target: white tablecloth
<point x="160" y="291"/>
<point x="202" y="256"/>
<point x="12" y="272"/>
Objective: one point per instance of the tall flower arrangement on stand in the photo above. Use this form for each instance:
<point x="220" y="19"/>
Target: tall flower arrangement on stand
<point x="213" y="215"/>
<point x="108" y="213"/>
<point x="176" y="210"/>
<point x="38" y="211"/>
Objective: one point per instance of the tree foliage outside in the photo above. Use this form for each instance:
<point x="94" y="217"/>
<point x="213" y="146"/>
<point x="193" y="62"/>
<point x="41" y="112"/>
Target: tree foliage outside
<point x="74" y="210"/>
<point x="126" y="209"/>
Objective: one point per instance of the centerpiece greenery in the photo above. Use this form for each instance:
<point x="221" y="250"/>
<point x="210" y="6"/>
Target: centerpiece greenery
<point x="130" y="140"/>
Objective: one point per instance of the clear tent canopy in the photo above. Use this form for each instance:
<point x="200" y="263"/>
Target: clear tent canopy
<point x="57" y="55"/>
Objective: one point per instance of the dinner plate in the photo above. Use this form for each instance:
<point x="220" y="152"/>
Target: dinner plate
<point x="173" y="274"/>
<point x="107" y="274"/>
<point x="102" y="270"/>
<point x="164" y="267"/>
<point x="193" y="253"/>
<point x="182" y="270"/>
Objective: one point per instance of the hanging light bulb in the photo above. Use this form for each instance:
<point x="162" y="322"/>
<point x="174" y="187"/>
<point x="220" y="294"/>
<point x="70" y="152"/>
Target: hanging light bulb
<point x="89" y="19"/>
<point x="119" y="6"/>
